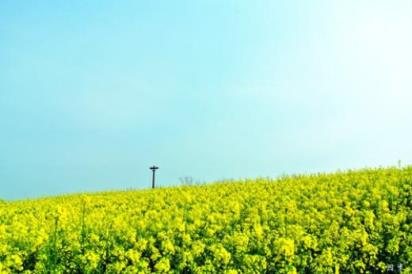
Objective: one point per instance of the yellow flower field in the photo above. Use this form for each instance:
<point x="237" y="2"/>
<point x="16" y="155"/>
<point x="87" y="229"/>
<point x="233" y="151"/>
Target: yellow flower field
<point x="347" y="222"/>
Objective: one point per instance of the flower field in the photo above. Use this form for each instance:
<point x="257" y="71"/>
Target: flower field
<point x="346" y="222"/>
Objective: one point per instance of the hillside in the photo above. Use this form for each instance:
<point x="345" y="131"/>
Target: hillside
<point x="354" y="221"/>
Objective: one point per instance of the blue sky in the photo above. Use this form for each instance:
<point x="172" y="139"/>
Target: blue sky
<point x="94" y="92"/>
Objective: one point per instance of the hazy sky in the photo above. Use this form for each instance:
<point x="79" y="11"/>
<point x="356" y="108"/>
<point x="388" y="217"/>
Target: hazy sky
<point x="94" y="92"/>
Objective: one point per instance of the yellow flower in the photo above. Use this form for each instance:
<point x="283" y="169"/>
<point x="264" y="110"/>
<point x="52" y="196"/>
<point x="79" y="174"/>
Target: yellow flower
<point x="92" y="259"/>
<point x="168" y="247"/>
<point x="163" y="265"/>
<point x="285" y="247"/>
<point x="15" y="261"/>
<point x="133" y="255"/>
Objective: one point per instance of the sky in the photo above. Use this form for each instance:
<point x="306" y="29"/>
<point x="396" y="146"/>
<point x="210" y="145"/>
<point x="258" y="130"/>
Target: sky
<point x="92" y="93"/>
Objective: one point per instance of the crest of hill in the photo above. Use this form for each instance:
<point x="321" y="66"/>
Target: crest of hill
<point x="378" y="173"/>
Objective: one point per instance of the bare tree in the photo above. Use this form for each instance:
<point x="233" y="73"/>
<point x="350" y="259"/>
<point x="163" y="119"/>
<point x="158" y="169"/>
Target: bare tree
<point x="187" y="180"/>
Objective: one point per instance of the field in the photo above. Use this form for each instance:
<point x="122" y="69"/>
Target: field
<point x="346" y="222"/>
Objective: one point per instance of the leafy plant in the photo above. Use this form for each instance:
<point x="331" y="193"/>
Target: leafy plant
<point x="348" y="222"/>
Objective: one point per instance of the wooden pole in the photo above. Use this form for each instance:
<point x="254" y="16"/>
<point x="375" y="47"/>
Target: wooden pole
<point x="153" y="168"/>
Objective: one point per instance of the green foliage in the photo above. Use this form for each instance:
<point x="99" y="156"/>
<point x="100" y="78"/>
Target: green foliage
<point x="347" y="222"/>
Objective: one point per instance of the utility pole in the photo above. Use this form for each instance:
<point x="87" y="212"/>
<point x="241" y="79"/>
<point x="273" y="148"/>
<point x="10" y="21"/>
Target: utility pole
<point x="153" y="168"/>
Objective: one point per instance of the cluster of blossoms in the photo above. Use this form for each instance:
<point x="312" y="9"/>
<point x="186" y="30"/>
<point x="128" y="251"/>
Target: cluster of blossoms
<point x="347" y="222"/>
